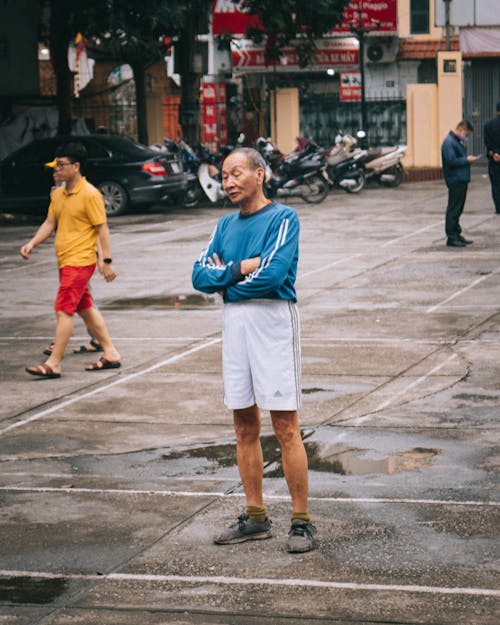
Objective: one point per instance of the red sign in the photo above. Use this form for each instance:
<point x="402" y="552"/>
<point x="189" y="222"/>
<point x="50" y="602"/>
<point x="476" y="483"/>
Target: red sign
<point x="331" y="53"/>
<point x="214" y="115"/>
<point x="209" y="114"/>
<point x="379" y="15"/>
<point x="350" y="86"/>
<point x="230" y="18"/>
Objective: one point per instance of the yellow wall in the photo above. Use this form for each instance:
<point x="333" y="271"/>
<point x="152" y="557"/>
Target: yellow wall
<point x="285" y="123"/>
<point x="432" y="111"/>
<point x="422" y="126"/>
<point x="404" y="22"/>
<point x="450" y="92"/>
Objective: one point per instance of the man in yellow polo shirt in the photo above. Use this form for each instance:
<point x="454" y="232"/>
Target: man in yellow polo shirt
<point x="77" y="211"/>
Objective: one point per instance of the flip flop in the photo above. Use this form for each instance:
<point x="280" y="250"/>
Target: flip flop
<point x="48" y="350"/>
<point x="43" y="371"/>
<point x="104" y="363"/>
<point x="83" y="349"/>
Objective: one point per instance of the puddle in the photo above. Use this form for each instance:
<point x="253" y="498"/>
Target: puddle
<point x="192" y="301"/>
<point x="323" y="457"/>
<point x="29" y="590"/>
<point x="223" y="455"/>
<point x="366" y="462"/>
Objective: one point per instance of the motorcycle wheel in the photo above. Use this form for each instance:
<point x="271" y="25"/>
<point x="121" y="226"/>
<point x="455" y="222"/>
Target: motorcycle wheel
<point x="395" y="171"/>
<point x="317" y="190"/>
<point x="192" y="196"/>
<point x="359" y="186"/>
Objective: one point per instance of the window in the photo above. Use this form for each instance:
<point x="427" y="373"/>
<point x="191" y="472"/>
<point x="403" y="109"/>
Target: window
<point x="419" y="17"/>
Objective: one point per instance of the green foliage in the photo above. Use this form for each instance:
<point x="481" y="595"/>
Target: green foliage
<point x="299" y="22"/>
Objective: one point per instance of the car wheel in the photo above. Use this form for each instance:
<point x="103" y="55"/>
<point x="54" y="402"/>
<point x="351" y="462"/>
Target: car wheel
<point x="192" y="196"/>
<point x="115" y="197"/>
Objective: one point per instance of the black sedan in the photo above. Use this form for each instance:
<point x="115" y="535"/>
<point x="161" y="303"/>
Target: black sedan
<point x="127" y="173"/>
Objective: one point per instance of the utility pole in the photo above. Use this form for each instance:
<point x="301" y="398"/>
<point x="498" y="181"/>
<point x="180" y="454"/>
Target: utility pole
<point x="447" y="24"/>
<point x="361" y="33"/>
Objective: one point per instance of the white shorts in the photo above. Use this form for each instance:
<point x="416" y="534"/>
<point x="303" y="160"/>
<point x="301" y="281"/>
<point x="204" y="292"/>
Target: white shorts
<point x="261" y="355"/>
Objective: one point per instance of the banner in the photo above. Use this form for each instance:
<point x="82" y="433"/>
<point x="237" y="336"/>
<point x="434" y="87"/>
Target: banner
<point x="230" y="18"/>
<point x="332" y="53"/>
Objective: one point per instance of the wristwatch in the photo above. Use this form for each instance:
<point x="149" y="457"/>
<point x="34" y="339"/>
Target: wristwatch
<point x="107" y="261"/>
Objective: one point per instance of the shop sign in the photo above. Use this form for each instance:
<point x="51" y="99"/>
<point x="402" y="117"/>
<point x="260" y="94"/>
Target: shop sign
<point x="231" y="18"/>
<point x="380" y="16"/>
<point x="350" y="86"/>
<point x="214" y="115"/>
<point x="331" y="53"/>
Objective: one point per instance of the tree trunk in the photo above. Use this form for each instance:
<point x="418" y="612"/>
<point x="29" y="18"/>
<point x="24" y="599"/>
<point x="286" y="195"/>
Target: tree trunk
<point x="189" y="110"/>
<point x="139" y="70"/>
<point x="60" y="37"/>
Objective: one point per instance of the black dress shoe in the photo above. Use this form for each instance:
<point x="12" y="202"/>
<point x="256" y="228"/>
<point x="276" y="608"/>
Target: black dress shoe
<point x="466" y="241"/>
<point x="455" y="243"/>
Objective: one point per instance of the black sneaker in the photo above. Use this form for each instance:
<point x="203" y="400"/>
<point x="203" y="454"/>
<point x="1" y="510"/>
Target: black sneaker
<point x="244" y="529"/>
<point x="300" y="536"/>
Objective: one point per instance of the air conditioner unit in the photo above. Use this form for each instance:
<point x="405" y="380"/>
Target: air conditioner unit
<point x="381" y="50"/>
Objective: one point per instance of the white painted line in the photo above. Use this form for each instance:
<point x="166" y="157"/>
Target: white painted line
<point x="328" y="266"/>
<point x="75" y="338"/>
<point x="462" y="291"/>
<point x="190" y="493"/>
<point x="254" y="581"/>
<point x="415" y="383"/>
<point x="116" y="382"/>
<point x="411" y="234"/>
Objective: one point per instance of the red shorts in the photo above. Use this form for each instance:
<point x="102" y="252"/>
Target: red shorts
<point x="74" y="293"/>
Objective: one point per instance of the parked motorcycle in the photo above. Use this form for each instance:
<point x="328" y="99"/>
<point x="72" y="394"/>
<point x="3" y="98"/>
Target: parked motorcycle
<point x="206" y="183"/>
<point x="300" y="174"/>
<point x="383" y="164"/>
<point x="345" y="164"/>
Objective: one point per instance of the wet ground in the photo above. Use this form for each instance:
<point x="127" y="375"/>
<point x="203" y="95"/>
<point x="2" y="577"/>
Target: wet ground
<point x="113" y="483"/>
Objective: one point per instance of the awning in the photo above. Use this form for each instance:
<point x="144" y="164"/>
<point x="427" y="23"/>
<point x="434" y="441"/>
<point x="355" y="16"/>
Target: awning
<point x="480" y="41"/>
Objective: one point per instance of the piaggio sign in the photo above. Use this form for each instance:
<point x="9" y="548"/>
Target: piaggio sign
<point x="231" y="18"/>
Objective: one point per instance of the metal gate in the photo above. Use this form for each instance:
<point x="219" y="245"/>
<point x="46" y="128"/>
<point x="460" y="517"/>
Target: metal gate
<point x="321" y="117"/>
<point x="481" y="93"/>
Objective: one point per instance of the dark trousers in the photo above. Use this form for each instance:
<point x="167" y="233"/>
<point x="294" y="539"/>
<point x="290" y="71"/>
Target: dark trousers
<point x="494" y="172"/>
<point x="456" y="199"/>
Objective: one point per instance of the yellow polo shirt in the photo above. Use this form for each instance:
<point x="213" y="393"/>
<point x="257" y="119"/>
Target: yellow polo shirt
<point x="76" y="214"/>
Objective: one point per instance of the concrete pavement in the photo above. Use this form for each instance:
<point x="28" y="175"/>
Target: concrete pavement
<point x="113" y="483"/>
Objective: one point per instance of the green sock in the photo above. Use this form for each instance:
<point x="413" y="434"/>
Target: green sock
<point x="302" y="516"/>
<point x="257" y="513"/>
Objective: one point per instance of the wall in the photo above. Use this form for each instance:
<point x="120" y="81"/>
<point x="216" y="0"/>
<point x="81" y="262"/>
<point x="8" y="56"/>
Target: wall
<point x="422" y="126"/>
<point x="285" y="125"/>
<point x="432" y="111"/>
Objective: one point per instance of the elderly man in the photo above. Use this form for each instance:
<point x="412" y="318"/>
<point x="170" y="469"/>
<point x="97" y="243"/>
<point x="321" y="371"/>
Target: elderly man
<point x="252" y="260"/>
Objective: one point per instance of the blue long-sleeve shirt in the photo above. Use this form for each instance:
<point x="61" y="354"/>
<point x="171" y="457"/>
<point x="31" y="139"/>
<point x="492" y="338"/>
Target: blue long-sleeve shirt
<point x="271" y="233"/>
